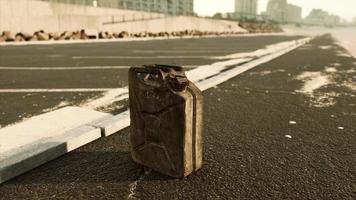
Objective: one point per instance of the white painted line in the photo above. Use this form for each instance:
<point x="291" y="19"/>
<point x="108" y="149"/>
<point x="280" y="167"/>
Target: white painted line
<point x="26" y="145"/>
<point x="43" y="90"/>
<point x="182" y="51"/>
<point x="108" y="98"/>
<point x="74" y="68"/>
<point x="260" y="52"/>
<point x="226" y="75"/>
<point x="137" y="57"/>
<point x="206" y="71"/>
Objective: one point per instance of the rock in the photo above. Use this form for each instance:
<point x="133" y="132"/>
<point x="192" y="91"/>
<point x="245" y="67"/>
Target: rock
<point x="7" y="34"/>
<point x="42" y="36"/>
<point x="19" y="37"/>
<point x="83" y="35"/>
<point x="124" y="34"/>
<point x="27" y="36"/>
<point x="2" y="38"/>
<point x="55" y="36"/>
<point x="76" y="35"/>
<point x="115" y="35"/>
<point x="34" y="38"/>
<point x="109" y="35"/>
<point x="91" y="34"/>
<point x="102" y="35"/>
<point x="66" y="35"/>
<point x="9" y="37"/>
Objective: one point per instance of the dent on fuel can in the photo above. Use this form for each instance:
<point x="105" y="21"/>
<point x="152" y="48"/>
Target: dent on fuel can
<point x="166" y="120"/>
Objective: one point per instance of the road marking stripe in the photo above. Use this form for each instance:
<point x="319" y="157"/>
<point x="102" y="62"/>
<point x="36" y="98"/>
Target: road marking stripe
<point x="187" y="51"/>
<point x="108" y="98"/>
<point x="226" y="75"/>
<point x="137" y="57"/>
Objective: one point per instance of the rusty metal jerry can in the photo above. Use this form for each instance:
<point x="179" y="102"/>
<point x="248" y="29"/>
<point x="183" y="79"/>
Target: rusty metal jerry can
<point x="166" y="120"/>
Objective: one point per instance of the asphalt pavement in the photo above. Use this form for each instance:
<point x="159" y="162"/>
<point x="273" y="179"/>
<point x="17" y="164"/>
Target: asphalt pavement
<point x="60" y="66"/>
<point x="270" y="133"/>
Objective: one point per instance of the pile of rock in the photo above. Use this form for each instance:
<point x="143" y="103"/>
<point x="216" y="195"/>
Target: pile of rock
<point x="7" y="36"/>
<point x="124" y="34"/>
<point x="41" y="35"/>
<point x="253" y="27"/>
<point x="109" y="35"/>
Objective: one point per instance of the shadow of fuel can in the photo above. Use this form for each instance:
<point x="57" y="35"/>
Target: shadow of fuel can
<point x="166" y="120"/>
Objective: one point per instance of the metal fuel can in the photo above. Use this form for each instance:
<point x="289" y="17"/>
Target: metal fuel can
<point x="166" y="111"/>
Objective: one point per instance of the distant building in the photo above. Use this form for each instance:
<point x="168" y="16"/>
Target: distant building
<point x="171" y="7"/>
<point x="316" y="17"/>
<point x="277" y="10"/>
<point x="281" y="11"/>
<point x="333" y="20"/>
<point x="294" y="14"/>
<point x="321" y="17"/>
<point x="246" y="8"/>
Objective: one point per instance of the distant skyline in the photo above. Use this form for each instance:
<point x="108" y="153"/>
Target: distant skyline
<point x="346" y="9"/>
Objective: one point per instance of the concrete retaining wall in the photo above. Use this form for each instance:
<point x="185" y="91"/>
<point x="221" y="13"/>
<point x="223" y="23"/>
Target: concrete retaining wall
<point x="32" y="15"/>
<point x="171" y="24"/>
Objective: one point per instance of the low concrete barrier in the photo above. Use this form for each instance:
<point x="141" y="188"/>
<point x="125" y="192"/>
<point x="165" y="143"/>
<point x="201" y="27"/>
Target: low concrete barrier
<point x="31" y="143"/>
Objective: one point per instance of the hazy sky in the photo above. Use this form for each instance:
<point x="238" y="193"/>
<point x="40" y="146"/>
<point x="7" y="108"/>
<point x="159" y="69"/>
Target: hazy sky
<point x="344" y="8"/>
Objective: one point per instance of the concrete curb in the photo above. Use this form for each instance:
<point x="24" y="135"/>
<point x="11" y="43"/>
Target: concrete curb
<point x="113" y="124"/>
<point x="32" y="143"/>
<point x="43" y="151"/>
